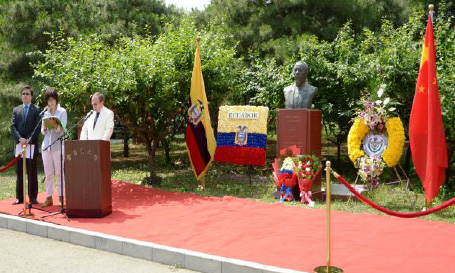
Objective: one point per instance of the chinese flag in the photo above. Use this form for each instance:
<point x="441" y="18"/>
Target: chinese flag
<point x="426" y="128"/>
<point x="199" y="137"/>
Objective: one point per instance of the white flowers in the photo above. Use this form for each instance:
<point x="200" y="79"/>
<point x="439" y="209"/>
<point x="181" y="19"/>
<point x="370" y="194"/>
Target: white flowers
<point x="288" y="164"/>
<point x="381" y="90"/>
<point x="386" y="101"/>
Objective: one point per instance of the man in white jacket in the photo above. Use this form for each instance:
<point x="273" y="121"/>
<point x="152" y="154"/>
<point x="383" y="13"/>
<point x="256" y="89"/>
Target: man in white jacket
<point x="100" y="124"/>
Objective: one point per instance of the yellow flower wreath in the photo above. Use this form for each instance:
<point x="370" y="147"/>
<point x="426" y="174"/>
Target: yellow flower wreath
<point x="395" y="130"/>
<point x="356" y="134"/>
<point x="392" y="154"/>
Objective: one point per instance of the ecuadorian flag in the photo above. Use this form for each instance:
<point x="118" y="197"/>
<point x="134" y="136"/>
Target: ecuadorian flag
<point x="199" y="137"/>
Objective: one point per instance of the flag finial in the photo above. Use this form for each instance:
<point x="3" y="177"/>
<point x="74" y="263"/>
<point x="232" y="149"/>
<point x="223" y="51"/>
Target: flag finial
<point x="198" y="38"/>
<point x="431" y="8"/>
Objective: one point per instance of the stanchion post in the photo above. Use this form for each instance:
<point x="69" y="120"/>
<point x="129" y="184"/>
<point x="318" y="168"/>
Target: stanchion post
<point x="328" y="199"/>
<point x="24" y="177"/>
<point x="24" y="184"/>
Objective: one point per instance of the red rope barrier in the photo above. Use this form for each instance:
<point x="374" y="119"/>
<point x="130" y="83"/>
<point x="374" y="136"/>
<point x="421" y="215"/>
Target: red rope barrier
<point x="10" y="164"/>
<point x="391" y="212"/>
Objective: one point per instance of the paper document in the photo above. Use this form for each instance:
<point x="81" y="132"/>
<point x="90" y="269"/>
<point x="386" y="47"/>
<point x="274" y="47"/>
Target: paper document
<point x="29" y="152"/>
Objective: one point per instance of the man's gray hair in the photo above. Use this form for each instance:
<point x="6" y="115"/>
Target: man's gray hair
<point x="99" y="95"/>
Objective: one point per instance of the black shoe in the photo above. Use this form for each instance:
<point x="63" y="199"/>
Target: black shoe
<point x="34" y="202"/>
<point x="17" y="202"/>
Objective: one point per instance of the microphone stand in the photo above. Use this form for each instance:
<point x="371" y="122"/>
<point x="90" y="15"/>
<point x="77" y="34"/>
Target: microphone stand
<point x="61" y="139"/>
<point x="29" y="139"/>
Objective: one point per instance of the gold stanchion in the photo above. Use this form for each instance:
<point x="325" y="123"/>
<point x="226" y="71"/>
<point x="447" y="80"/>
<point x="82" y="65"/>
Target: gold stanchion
<point x="24" y="177"/>
<point x="24" y="181"/>
<point x="328" y="268"/>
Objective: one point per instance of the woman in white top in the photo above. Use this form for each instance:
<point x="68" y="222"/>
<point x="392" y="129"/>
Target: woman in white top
<point x="52" y="145"/>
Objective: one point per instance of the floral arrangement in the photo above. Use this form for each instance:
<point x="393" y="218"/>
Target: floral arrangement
<point x="295" y="175"/>
<point x="308" y="166"/>
<point x="381" y="136"/>
<point x="370" y="168"/>
<point x="242" y="135"/>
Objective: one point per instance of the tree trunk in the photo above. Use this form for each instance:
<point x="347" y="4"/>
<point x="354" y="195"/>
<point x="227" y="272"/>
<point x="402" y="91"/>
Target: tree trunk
<point x="151" y="150"/>
<point x="450" y="153"/>
<point x="126" y="138"/>
<point x="167" y="150"/>
<point x="338" y="154"/>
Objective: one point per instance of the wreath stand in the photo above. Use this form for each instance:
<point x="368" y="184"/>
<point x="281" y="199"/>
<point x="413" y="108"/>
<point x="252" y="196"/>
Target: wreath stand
<point x="403" y="180"/>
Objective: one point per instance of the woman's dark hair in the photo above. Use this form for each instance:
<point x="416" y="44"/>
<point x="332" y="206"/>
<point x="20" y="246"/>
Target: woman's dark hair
<point x="50" y="93"/>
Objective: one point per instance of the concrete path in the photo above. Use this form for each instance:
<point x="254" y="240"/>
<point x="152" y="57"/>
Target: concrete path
<point x="22" y="252"/>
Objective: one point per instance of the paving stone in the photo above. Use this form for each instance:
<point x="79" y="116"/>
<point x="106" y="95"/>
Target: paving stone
<point x="272" y="269"/>
<point x="238" y="266"/>
<point x="137" y="249"/>
<point x="37" y="228"/>
<point x="4" y="221"/>
<point x="109" y="243"/>
<point x="201" y="262"/>
<point x="83" y="238"/>
<point x="165" y="255"/>
<point x="59" y="233"/>
<point x="17" y="224"/>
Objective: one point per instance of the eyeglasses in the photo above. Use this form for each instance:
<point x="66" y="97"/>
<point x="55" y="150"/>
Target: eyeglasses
<point x="26" y="94"/>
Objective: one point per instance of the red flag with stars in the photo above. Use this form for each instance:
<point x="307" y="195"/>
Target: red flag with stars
<point x="426" y="128"/>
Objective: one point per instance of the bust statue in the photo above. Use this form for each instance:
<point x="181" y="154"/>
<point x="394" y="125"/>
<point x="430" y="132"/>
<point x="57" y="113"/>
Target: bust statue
<point x="300" y="94"/>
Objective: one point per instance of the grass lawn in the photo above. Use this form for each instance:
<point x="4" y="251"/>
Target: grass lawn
<point x="243" y="181"/>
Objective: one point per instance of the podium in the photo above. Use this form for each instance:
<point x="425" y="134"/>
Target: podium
<point x="300" y="127"/>
<point x="88" y="178"/>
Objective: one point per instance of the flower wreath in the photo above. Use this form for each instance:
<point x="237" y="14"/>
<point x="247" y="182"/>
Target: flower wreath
<point x="371" y="120"/>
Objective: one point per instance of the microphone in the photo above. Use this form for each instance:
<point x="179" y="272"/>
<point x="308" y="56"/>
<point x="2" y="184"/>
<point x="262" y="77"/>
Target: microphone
<point x="44" y="110"/>
<point x="88" y="115"/>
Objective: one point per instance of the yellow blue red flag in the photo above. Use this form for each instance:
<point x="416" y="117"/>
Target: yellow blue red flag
<point x="199" y="137"/>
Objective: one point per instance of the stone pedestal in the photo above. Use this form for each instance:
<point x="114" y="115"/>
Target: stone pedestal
<point x="300" y="127"/>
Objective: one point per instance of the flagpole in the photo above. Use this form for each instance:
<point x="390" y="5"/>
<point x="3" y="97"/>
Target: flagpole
<point x="431" y="13"/>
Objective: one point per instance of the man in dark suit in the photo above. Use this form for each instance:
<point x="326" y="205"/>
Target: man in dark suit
<point x="26" y="118"/>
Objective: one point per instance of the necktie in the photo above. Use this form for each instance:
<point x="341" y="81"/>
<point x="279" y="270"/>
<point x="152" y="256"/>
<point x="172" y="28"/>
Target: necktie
<point x="25" y="112"/>
<point x="96" y="118"/>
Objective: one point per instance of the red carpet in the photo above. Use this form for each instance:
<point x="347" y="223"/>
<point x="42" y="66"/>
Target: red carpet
<point x="271" y="234"/>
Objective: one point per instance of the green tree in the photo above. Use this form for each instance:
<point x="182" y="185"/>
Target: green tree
<point x="259" y="25"/>
<point x="261" y="83"/>
<point x="23" y="23"/>
<point x="146" y="80"/>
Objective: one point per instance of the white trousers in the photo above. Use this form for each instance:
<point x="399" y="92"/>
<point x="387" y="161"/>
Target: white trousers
<point x="52" y="167"/>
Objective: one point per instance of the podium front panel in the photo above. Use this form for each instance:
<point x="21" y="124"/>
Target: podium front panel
<point x="88" y="178"/>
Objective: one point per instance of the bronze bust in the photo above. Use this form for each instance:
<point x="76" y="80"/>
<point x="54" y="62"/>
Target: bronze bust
<point x="300" y="94"/>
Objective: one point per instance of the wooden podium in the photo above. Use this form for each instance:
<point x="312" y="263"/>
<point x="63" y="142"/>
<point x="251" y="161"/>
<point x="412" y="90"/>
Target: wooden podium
<point x="88" y="178"/>
<point x="300" y="127"/>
